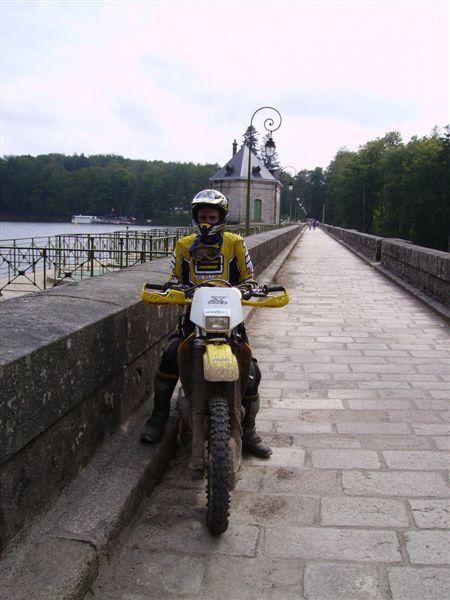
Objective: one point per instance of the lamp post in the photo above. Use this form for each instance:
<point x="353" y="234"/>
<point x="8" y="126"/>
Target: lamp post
<point x="270" y="126"/>
<point x="300" y="206"/>
<point x="291" y="171"/>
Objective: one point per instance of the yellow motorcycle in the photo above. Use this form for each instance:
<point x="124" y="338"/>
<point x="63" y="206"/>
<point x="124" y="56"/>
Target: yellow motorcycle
<point x="214" y="363"/>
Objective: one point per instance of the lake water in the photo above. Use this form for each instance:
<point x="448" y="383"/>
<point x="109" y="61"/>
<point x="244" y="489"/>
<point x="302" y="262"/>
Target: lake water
<point x="12" y="230"/>
<point x="15" y="230"/>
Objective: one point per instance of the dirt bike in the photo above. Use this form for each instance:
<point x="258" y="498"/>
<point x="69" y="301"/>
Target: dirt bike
<point x="214" y="361"/>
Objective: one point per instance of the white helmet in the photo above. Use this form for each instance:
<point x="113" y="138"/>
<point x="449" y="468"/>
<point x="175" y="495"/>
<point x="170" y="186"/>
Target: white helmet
<point x="210" y="199"/>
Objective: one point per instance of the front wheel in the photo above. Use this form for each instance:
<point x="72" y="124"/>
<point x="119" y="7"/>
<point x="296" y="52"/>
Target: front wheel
<point x="219" y="466"/>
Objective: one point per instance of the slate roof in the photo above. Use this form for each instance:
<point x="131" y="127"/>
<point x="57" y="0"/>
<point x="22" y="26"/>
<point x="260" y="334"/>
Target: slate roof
<point x="237" y="166"/>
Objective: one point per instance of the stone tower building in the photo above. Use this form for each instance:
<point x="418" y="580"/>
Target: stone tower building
<point x="265" y="189"/>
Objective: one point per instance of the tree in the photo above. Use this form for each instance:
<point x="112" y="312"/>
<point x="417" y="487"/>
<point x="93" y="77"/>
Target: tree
<point x="316" y="200"/>
<point x="250" y="138"/>
<point x="393" y="189"/>
<point x="270" y="162"/>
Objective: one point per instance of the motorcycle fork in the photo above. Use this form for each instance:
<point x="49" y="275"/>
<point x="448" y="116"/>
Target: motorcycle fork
<point x="198" y="405"/>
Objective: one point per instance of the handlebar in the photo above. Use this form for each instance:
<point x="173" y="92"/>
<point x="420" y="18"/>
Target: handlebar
<point x="182" y="294"/>
<point x="273" y="288"/>
<point x="263" y="290"/>
<point x="154" y="286"/>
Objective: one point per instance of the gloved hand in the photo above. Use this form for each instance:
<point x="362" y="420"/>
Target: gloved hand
<point x="173" y="285"/>
<point x="248" y="286"/>
<point x="247" y="289"/>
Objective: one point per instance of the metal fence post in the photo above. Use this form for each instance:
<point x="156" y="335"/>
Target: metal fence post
<point x="91" y="254"/>
<point x="44" y="257"/>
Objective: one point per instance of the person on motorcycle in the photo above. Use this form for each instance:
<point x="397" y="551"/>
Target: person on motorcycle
<point x="210" y="253"/>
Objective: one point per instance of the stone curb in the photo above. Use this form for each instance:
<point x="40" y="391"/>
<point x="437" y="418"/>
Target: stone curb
<point x="58" y="558"/>
<point x="435" y="306"/>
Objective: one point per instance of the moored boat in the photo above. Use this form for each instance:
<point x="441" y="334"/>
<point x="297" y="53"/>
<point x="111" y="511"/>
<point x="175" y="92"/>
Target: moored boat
<point x="83" y="219"/>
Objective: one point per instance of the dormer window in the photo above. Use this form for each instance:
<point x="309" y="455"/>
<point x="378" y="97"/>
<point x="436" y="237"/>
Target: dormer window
<point x="256" y="170"/>
<point x="228" y="169"/>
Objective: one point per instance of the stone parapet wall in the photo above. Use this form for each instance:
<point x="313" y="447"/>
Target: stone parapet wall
<point x="367" y="245"/>
<point x="426" y="269"/>
<point x="76" y="363"/>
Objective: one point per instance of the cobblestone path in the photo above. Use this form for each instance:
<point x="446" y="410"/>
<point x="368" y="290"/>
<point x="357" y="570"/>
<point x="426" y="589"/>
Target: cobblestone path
<point x="355" y="501"/>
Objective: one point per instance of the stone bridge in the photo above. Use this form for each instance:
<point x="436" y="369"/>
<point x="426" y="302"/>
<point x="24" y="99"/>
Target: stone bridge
<point x="354" y="502"/>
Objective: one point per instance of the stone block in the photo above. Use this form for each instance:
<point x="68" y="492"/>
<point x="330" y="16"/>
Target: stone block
<point x="408" y="583"/>
<point x="311" y="543"/>
<point x="348" y="394"/>
<point x="379" y="404"/>
<point x="319" y="404"/>
<point x="430" y="514"/>
<point x="324" y="581"/>
<point x="267" y="509"/>
<point x="363" y="512"/>
<point x="414" y="416"/>
<point x="414" y="460"/>
<point x="325" y="441"/>
<point x="301" y="482"/>
<point x="395" y="483"/>
<point x="442" y="442"/>
<point x="282" y="457"/>
<point x="345" y="416"/>
<point x="438" y="401"/>
<point x="431" y="429"/>
<point x="345" y="459"/>
<point x="181" y="533"/>
<point x="50" y="569"/>
<point x="428" y="547"/>
<point x="154" y="575"/>
<point x="252" y="579"/>
<point x="395" y="442"/>
<point x="302" y="427"/>
<point x="373" y="428"/>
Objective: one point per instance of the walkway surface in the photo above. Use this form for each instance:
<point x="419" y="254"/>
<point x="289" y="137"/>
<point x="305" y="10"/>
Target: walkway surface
<point x="354" y="502"/>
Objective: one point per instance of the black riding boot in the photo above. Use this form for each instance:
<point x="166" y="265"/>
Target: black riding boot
<point x="154" y="427"/>
<point x="251" y="441"/>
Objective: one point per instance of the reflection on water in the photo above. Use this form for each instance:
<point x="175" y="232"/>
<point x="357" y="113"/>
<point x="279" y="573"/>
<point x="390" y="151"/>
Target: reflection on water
<point x="15" y="230"/>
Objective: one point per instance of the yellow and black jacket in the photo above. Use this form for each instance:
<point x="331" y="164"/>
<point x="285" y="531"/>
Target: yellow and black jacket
<point x="232" y="263"/>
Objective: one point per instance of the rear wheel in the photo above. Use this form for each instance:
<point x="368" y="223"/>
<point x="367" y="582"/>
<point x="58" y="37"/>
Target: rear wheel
<point x="219" y="466"/>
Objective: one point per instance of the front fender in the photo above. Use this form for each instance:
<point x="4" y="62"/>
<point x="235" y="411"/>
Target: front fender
<point x="219" y="363"/>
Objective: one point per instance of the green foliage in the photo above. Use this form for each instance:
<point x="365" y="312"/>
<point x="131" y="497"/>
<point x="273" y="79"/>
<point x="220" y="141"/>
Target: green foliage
<point x="250" y="138"/>
<point x="393" y="189"/>
<point x="386" y="188"/>
<point x="270" y="162"/>
<point x="54" y="186"/>
<point x="307" y="198"/>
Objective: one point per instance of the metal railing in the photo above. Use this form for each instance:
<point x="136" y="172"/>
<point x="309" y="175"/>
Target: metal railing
<point x="34" y="264"/>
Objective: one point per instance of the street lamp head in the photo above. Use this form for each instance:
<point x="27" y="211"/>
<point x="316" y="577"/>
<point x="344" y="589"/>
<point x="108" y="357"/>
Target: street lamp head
<point x="291" y="186"/>
<point x="270" y="125"/>
<point x="270" y="147"/>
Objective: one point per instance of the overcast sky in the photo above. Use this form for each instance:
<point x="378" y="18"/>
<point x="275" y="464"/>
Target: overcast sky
<point x="180" y="80"/>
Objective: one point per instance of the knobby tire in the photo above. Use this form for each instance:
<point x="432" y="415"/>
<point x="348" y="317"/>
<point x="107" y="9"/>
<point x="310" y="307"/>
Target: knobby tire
<point x="219" y="467"/>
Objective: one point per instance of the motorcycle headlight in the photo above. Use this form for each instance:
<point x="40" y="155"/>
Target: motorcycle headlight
<point x="217" y="323"/>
